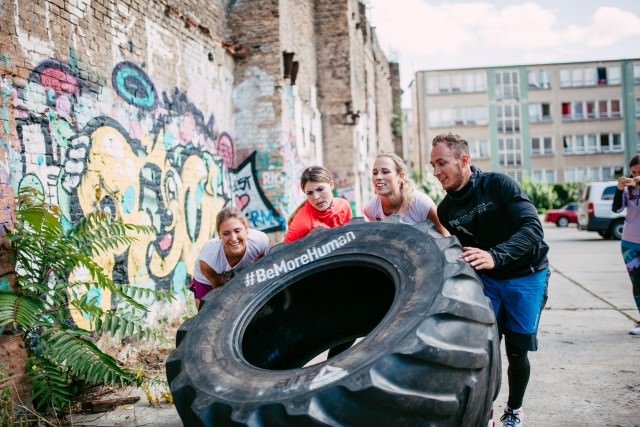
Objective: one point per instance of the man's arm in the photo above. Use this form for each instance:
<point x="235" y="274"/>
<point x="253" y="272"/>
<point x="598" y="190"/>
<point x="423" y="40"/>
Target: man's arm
<point x="520" y="211"/>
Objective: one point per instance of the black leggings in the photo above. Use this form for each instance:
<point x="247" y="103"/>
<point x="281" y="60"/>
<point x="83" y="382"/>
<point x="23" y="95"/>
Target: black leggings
<point x="518" y="374"/>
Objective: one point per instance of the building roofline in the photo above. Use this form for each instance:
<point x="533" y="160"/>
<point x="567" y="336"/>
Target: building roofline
<point x="488" y="67"/>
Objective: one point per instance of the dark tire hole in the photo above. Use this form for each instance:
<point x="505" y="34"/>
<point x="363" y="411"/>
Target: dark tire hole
<point x="325" y="310"/>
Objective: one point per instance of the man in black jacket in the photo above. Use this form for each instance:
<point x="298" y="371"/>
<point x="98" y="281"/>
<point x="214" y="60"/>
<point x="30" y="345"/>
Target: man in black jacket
<point x="502" y="238"/>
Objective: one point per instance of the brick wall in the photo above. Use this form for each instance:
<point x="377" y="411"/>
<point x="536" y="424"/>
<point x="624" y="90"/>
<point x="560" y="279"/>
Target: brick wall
<point x="125" y="106"/>
<point x="164" y="111"/>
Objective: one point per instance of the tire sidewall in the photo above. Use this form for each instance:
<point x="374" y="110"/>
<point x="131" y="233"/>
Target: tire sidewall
<point x="410" y="257"/>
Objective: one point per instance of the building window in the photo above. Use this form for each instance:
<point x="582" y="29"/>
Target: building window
<point x="464" y="116"/>
<point x="613" y="75"/>
<point x="577" y="111"/>
<point x="602" y="75"/>
<point x="604" y="143"/>
<point x="479" y="149"/>
<point x="615" y="108"/>
<point x="508" y="118"/>
<point x="550" y="175"/>
<point x="541" y="146"/>
<point x="567" y="146"/>
<point x="444" y="83"/>
<point x="636" y="72"/>
<point x="509" y="152"/>
<point x="515" y="174"/>
<point x="591" y="76"/>
<point x="536" y="175"/>
<point x="581" y="110"/>
<point x="543" y="176"/>
<point x="565" y="78"/>
<point x="592" y="143"/>
<point x="569" y="175"/>
<point x="507" y="85"/>
<point x="456" y="83"/>
<point x="539" y="112"/>
<point x="579" y="144"/>
<point x="575" y="174"/>
<point x="616" y="142"/>
<point x="539" y="79"/>
<point x="603" y="109"/>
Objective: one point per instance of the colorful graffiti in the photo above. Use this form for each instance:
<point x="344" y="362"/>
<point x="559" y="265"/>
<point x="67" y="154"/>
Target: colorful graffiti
<point x="250" y="198"/>
<point x="149" y="157"/>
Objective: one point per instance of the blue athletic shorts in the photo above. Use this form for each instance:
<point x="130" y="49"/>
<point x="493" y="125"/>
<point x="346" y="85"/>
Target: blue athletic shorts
<point x="517" y="304"/>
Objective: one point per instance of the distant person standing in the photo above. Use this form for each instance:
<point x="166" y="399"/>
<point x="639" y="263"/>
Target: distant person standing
<point x="503" y="240"/>
<point x="627" y="195"/>
<point x="320" y="209"/>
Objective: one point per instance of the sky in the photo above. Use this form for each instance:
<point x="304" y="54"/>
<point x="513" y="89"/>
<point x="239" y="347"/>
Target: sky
<point x="431" y="35"/>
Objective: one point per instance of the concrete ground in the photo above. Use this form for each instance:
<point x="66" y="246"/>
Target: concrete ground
<point x="587" y="370"/>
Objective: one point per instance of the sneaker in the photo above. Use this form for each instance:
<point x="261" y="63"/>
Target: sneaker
<point x="635" y="330"/>
<point x="512" y="417"/>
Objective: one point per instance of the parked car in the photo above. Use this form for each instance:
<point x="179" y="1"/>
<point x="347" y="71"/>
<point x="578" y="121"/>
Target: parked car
<point x="568" y="214"/>
<point x="594" y="210"/>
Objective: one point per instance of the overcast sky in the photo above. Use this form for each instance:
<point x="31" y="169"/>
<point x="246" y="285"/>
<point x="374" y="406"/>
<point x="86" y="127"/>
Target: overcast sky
<point x="429" y="34"/>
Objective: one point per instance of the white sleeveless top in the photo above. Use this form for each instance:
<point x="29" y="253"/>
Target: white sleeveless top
<point x="417" y="212"/>
<point x="212" y="253"/>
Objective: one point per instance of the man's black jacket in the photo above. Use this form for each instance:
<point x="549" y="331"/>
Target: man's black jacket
<point x="491" y="212"/>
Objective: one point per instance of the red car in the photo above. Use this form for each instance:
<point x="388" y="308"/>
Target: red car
<point x="564" y="216"/>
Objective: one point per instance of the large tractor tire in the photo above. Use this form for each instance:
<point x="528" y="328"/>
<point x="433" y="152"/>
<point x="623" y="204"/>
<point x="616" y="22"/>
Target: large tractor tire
<point x="426" y="349"/>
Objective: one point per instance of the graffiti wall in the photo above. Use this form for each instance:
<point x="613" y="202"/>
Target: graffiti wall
<point x="149" y="140"/>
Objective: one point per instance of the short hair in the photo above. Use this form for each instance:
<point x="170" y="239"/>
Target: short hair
<point x="453" y="142"/>
<point x="230" y="212"/>
<point x="315" y="174"/>
<point x="635" y="160"/>
<point x="407" y="186"/>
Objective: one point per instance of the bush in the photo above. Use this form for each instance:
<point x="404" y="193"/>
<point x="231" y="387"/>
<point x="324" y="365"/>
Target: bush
<point x="551" y="196"/>
<point x="63" y="359"/>
<point x="430" y="186"/>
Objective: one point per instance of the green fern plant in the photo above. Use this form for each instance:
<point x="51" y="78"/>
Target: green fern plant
<point x="63" y="359"/>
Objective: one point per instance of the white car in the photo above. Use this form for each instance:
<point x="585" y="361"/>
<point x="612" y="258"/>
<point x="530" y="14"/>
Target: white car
<point x="594" y="210"/>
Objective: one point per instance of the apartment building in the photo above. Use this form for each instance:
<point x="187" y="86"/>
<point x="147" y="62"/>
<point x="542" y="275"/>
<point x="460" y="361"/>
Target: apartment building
<point x="560" y="122"/>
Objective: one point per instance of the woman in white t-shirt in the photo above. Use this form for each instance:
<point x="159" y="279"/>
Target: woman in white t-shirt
<point x="397" y="198"/>
<point x="220" y="258"/>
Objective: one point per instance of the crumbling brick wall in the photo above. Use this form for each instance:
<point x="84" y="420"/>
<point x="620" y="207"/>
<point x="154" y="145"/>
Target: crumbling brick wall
<point x="163" y="111"/>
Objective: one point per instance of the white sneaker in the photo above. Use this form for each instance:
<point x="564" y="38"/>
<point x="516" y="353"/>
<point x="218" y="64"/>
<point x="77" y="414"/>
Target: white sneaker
<point x="512" y="417"/>
<point x="635" y="330"/>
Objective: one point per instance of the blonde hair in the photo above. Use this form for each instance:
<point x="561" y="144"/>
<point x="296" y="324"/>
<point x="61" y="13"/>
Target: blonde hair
<point x="407" y="186"/>
<point x="230" y="212"/>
